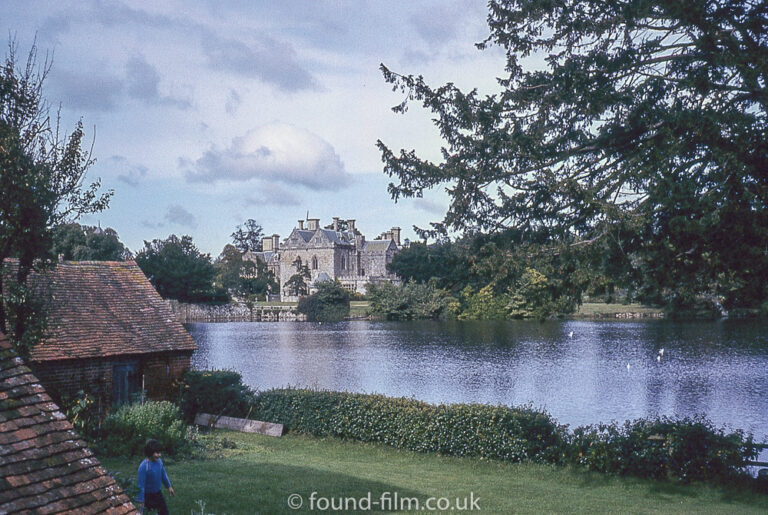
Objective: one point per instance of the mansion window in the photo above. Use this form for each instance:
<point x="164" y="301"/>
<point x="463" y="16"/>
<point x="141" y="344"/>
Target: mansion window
<point x="314" y="262"/>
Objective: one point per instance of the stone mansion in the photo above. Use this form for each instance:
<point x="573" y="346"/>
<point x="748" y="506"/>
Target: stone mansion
<point x="340" y="252"/>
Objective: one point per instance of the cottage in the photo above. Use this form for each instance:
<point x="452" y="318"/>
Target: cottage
<point x="110" y="334"/>
<point x="45" y="467"/>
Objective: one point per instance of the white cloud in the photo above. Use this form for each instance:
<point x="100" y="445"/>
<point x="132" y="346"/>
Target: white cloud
<point x="277" y="152"/>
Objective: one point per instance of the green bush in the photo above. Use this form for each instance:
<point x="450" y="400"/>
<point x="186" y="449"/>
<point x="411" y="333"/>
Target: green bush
<point x="125" y="431"/>
<point x="411" y="301"/>
<point x="498" y="432"/>
<point x="686" y="450"/>
<point x="219" y="392"/>
<point x="329" y="304"/>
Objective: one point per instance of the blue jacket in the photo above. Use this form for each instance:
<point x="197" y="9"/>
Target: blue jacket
<point x="152" y="476"/>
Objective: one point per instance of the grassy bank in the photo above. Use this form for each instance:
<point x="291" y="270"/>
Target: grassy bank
<point x="260" y="473"/>
<point x="601" y="309"/>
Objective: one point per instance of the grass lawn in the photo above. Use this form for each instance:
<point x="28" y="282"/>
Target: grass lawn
<point x="591" y="309"/>
<point x="358" y="308"/>
<point x="260" y="474"/>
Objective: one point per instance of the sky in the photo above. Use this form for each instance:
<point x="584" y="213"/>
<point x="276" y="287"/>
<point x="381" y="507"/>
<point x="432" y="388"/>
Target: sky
<point x="204" y="114"/>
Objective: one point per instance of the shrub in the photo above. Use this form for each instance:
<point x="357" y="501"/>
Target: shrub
<point x="219" y="392"/>
<point x="329" y="304"/>
<point x="686" y="450"/>
<point x="83" y="412"/>
<point x="125" y="431"/>
<point x="411" y="301"/>
<point x="498" y="432"/>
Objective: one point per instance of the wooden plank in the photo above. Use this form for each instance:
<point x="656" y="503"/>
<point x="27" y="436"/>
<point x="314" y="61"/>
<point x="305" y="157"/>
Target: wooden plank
<point x="240" y="424"/>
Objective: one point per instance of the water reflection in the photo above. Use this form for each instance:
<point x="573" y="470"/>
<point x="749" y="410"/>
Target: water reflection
<point x="714" y="368"/>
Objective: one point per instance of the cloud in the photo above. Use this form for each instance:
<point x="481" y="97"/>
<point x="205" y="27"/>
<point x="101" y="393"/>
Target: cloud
<point x="180" y="216"/>
<point x="143" y="83"/>
<point x="271" y="194"/>
<point x="233" y="102"/>
<point x="276" y="153"/>
<point x="87" y="91"/>
<point x="429" y="207"/>
<point x="437" y="26"/>
<point x="127" y="172"/>
<point x="152" y="225"/>
<point x="266" y="59"/>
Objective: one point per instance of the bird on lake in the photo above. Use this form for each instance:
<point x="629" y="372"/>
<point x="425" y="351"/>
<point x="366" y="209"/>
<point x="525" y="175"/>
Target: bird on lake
<point x="570" y="335"/>
<point x="627" y="366"/>
<point x="661" y="352"/>
<point x="658" y="358"/>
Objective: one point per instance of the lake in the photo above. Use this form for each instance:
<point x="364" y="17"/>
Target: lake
<point x="607" y="370"/>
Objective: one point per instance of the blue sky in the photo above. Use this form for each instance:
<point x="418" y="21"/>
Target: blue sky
<point x="208" y="113"/>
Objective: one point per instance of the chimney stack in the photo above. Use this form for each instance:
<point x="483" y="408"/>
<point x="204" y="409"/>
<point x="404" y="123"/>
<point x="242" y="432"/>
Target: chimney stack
<point x="313" y="224"/>
<point x="336" y="223"/>
<point x="275" y="242"/>
<point x="266" y="243"/>
<point x="301" y="225"/>
<point x="396" y="235"/>
<point x="351" y="225"/>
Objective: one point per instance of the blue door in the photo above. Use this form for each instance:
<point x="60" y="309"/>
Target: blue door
<point x="126" y="381"/>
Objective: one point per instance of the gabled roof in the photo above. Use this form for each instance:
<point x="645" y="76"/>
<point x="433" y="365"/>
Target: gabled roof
<point x="105" y="308"/>
<point x="330" y="236"/>
<point x="45" y="467"/>
<point x="322" y="277"/>
<point x="298" y="238"/>
<point x="377" y="245"/>
<point x="267" y="256"/>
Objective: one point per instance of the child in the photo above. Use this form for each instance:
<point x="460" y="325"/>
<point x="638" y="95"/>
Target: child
<point x="151" y="478"/>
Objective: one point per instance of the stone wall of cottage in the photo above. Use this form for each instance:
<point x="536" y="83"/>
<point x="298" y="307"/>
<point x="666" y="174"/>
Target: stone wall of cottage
<point x="65" y="378"/>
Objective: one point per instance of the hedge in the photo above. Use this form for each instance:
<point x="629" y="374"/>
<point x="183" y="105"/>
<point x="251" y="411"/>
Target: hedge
<point x="684" y="450"/>
<point x="498" y="432"/>
<point x="689" y="449"/>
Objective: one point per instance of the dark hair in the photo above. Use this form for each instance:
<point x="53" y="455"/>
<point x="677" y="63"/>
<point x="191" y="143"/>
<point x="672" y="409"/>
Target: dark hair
<point x="152" y="446"/>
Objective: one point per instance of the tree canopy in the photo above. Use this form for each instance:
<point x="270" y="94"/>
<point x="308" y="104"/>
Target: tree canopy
<point x="86" y="243"/>
<point x="644" y="131"/>
<point x="247" y="236"/>
<point x="42" y="173"/>
<point x="178" y="270"/>
<point x="243" y="277"/>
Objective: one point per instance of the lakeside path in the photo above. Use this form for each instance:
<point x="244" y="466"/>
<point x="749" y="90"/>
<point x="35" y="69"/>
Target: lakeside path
<point x="261" y="472"/>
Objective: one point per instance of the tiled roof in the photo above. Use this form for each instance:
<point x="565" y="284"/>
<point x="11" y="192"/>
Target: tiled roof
<point x="44" y="465"/>
<point x="105" y="308"/>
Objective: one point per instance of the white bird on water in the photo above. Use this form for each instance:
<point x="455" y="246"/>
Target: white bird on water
<point x="627" y="366"/>
<point x="570" y="335"/>
<point x="658" y="358"/>
<point x="661" y="352"/>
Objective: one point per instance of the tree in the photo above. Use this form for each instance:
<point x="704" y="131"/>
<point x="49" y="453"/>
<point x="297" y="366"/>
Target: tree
<point x="42" y="171"/>
<point x="248" y="236"/>
<point x="644" y="132"/>
<point x="243" y="277"/>
<point x="85" y="243"/>
<point x="296" y="285"/>
<point x="178" y="270"/>
<point x="330" y="303"/>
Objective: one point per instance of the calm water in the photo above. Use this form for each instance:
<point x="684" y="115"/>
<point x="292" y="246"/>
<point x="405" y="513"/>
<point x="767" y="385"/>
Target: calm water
<point x="719" y="369"/>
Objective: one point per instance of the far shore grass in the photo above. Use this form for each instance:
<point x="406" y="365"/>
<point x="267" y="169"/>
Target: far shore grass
<point x="601" y="309"/>
<point x="260" y="473"/>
